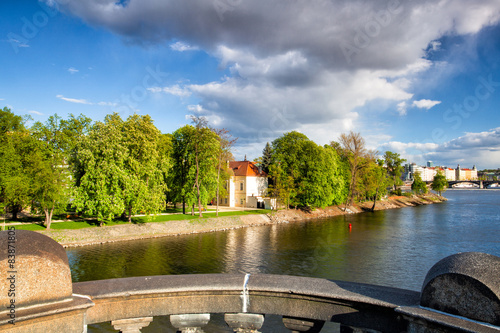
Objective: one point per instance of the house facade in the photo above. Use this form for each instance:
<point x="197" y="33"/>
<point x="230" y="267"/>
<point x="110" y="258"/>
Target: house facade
<point x="247" y="186"/>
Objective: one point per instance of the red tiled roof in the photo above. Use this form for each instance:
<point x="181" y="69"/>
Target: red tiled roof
<point x="245" y="168"/>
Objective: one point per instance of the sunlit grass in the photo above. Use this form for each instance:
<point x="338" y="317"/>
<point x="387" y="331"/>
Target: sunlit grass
<point x="36" y="225"/>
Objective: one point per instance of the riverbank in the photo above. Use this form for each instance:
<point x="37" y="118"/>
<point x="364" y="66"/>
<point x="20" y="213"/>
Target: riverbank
<point x="107" y="234"/>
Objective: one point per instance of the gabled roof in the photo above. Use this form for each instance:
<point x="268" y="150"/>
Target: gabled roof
<point x="246" y="168"/>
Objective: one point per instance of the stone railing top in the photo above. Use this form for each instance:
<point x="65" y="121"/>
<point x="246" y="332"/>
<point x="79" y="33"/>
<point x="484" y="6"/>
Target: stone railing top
<point x="37" y="267"/>
<point x="465" y="284"/>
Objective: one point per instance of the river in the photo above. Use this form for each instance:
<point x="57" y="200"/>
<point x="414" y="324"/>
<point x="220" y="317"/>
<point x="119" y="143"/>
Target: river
<point x="393" y="248"/>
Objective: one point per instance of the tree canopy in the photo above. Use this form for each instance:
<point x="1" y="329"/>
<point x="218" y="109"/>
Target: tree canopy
<point x="439" y="184"/>
<point x="121" y="168"/>
<point x="304" y="173"/>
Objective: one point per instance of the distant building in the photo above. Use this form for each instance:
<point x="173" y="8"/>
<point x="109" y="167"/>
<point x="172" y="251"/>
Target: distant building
<point x="450" y="174"/>
<point x="428" y="173"/>
<point x="247" y="186"/>
<point x="466" y="174"/>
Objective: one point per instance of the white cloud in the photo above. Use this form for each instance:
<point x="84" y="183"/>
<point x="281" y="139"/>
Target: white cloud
<point x="182" y="47"/>
<point x="74" y="100"/>
<point x="196" y="108"/>
<point x="287" y="60"/>
<point x="73" y="70"/>
<point x="402" y="108"/>
<point x="175" y="90"/>
<point x="481" y="149"/>
<point x="425" y="104"/>
<point x="107" y="104"/>
<point x="35" y="112"/>
<point x="18" y="43"/>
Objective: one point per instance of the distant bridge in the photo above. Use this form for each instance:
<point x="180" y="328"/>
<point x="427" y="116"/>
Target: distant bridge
<point x="480" y="183"/>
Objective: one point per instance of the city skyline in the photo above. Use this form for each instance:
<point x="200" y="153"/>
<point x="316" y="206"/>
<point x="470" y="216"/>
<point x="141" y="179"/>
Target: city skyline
<point x="420" y="79"/>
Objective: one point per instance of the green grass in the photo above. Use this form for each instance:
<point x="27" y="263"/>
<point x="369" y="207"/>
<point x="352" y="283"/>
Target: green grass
<point x="36" y="225"/>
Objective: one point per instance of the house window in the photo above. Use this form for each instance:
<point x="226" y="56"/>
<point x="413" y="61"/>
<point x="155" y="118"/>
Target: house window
<point x="241" y="186"/>
<point x="225" y="201"/>
<point x="241" y="202"/>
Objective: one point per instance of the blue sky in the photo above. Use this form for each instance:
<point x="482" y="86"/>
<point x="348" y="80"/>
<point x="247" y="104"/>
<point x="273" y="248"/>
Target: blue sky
<point x="420" y="78"/>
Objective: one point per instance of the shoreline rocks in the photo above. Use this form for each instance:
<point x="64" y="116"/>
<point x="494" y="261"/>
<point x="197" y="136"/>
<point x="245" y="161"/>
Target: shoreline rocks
<point x="126" y="232"/>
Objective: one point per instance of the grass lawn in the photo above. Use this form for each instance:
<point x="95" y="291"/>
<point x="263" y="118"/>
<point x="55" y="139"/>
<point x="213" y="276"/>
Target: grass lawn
<point x="37" y="224"/>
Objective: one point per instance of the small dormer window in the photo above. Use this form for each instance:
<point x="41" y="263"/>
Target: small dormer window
<point x="241" y="186"/>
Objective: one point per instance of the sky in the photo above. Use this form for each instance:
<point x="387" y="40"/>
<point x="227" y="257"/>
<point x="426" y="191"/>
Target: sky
<point x="420" y="78"/>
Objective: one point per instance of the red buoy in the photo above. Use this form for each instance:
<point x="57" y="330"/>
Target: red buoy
<point x="350" y="227"/>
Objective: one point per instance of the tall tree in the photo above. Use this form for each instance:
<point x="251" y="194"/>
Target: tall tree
<point x="206" y="144"/>
<point x="354" y="150"/>
<point x="394" y="165"/>
<point x="144" y="189"/>
<point x="120" y="168"/>
<point x="267" y="154"/>
<point x="305" y="174"/>
<point x="102" y="155"/>
<point x="418" y="186"/>
<point x="374" y="181"/>
<point x="181" y="178"/>
<point x="226" y="141"/>
<point x="439" y="184"/>
<point x="14" y="150"/>
<point x="50" y="156"/>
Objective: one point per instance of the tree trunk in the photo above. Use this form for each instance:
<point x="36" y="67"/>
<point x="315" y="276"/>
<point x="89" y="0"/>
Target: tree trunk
<point x="375" y="200"/>
<point x="218" y="186"/>
<point x="48" y="217"/>
<point x="198" y="183"/>
<point x="129" y="214"/>
<point x="15" y="211"/>
<point x="192" y="210"/>
<point x="183" y="205"/>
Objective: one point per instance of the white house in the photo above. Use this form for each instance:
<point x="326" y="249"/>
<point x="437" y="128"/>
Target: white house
<point x="247" y="186"/>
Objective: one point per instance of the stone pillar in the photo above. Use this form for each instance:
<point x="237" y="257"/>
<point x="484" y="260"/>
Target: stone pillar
<point x="303" y="325"/>
<point x="190" y="323"/>
<point x="465" y="284"/>
<point x="133" y="325"/>
<point x="36" y="292"/>
<point x="244" y="322"/>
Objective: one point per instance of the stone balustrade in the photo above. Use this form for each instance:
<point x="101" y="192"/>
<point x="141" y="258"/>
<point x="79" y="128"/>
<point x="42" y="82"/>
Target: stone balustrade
<point x="461" y="293"/>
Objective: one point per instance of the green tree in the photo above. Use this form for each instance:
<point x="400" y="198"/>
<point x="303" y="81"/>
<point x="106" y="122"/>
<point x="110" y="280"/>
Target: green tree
<point x="267" y="154"/>
<point x="120" y="169"/>
<point x="195" y="152"/>
<point x="439" y="184"/>
<point x="206" y="148"/>
<point x="303" y="173"/>
<point x="394" y="165"/>
<point x="144" y="190"/>
<point x="181" y="178"/>
<point x="224" y="154"/>
<point x="49" y="166"/>
<point x="418" y="186"/>
<point x="355" y="153"/>
<point x="15" y="183"/>
<point x="102" y="155"/>
<point x="374" y="181"/>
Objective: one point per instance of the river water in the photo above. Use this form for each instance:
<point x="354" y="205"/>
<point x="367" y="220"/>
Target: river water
<point x="393" y="248"/>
